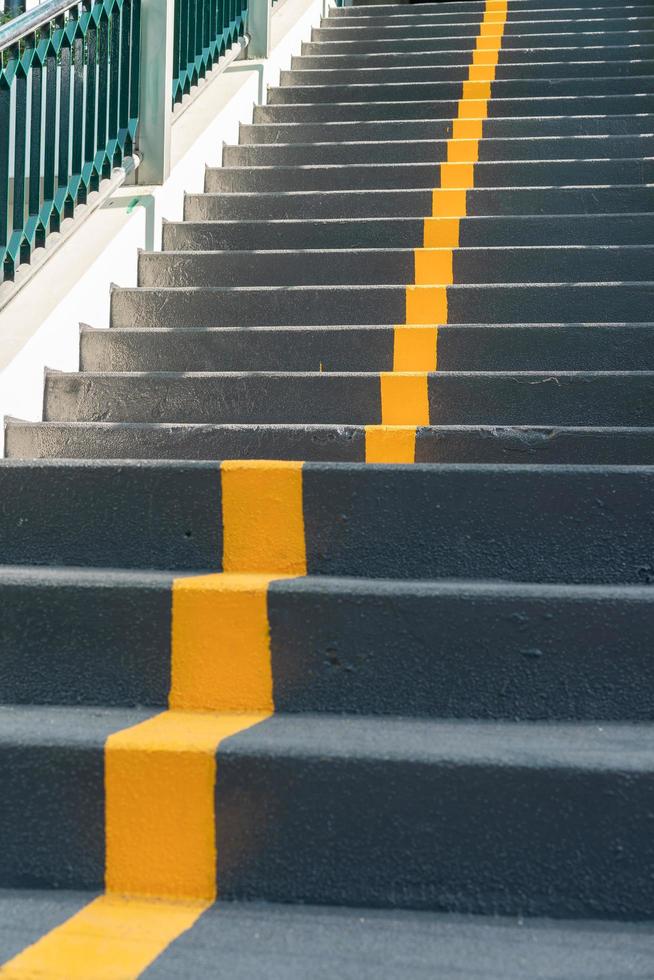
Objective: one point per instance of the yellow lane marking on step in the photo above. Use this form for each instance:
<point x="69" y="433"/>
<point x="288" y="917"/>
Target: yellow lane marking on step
<point x="426" y="298"/>
<point x="404" y="399"/>
<point x="390" y="444"/>
<point x="221" y="643"/>
<point x="415" y="349"/>
<point x="160" y="775"/>
<point x="262" y="517"/>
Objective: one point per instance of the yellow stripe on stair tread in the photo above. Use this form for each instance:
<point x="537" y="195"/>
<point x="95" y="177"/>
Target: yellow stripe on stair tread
<point x="405" y="404"/>
<point x="160" y="775"/>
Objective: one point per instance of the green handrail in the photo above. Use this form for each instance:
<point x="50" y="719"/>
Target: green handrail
<point x="204" y="31"/>
<point x="69" y="92"/>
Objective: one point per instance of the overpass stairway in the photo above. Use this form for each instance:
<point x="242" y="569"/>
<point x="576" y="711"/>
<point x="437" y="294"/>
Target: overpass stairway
<point x="411" y="314"/>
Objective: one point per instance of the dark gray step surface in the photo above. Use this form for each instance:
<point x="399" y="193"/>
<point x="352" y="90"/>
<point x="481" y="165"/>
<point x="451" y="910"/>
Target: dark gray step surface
<point x="505" y="817"/>
<point x="435" y="151"/>
<point x="576" y="229"/>
<point x="473" y="650"/>
<point x="536" y="347"/>
<point x="554" y="264"/>
<point x="391" y="90"/>
<point x="576" y="524"/>
<point x="322" y="72"/>
<point x="430" y="109"/>
<point x="292" y="942"/>
<point x="509" y="63"/>
<point x="400" y="14"/>
<point x="523" y="444"/>
<point x="331" y="177"/>
<point x="261" y="306"/>
<point x="606" y="199"/>
<point x="414" y="40"/>
<point x="454" y="398"/>
<point x="440" y="129"/>
<point x="516" y="34"/>
<point x="364" y="9"/>
<point x="287" y="942"/>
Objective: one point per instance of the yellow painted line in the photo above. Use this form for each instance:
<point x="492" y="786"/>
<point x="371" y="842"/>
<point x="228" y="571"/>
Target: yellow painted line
<point x="406" y="404"/>
<point x="390" y="444"/>
<point x="415" y="349"/>
<point x="404" y="399"/>
<point x="263" y="523"/>
<point x="160" y="775"/>
<point x="112" y="938"/>
<point x="221" y="644"/>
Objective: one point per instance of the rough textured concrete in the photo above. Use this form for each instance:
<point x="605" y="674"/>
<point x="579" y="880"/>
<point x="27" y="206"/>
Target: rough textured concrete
<point x="292" y="943"/>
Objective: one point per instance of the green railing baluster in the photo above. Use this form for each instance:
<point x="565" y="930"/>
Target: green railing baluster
<point x="90" y="173"/>
<point x="20" y="170"/>
<point x="76" y="186"/>
<point x="113" y="153"/>
<point x="34" y="230"/>
<point x="49" y="215"/>
<point x="63" y="203"/>
<point x="103" y="92"/>
<point x="6" y="76"/>
<point x="123" y="91"/>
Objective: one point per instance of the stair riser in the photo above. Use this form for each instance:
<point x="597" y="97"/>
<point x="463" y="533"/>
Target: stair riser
<point x="497" y="109"/>
<point x="335" y="443"/>
<point x="454" y="399"/>
<point x="336" y="647"/>
<point x="386" y="266"/>
<point x="460" y="348"/>
<point x="409" y="16"/>
<point x="517" y="42"/>
<point x="516" y="8"/>
<point x="392" y="90"/>
<point x="558" y="61"/>
<point x="409" y="232"/>
<point x="545" y="173"/>
<point x="535" y="524"/>
<point x="107" y="643"/>
<point x="485" y="834"/>
<point x="418" y="204"/>
<point x="309" y="306"/>
<point x="321" y="72"/>
<point x="439" y="129"/>
<point x="477" y="836"/>
<point x="516" y="33"/>
<point x="435" y="151"/>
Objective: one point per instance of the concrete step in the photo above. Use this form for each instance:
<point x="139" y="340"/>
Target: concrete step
<point x="331" y="177"/>
<point x="581" y="398"/>
<point x="619" y="199"/>
<point x="510" y="61"/>
<point x="336" y="644"/>
<point x="416" y="40"/>
<point x="336" y="443"/>
<point x="518" y="29"/>
<point x="587" y="229"/>
<point x="395" y="14"/>
<point x="293" y="942"/>
<point x="554" y="264"/>
<point x="542" y="148"/>
<point x="320" y="71"/>
<point x="441" y="129"/>
<point x="542" y="789"/>
<point x="261" y="306"/>
<point x="391" y="90"/>
<point x="574" y="524"/>
<point x="430" y="109"/>
<point x="516" y="8"/>
<point x="467" y="347"/>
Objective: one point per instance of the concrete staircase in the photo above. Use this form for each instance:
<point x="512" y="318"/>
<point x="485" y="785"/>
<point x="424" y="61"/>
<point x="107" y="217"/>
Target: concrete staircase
<point x="393" y="653"/>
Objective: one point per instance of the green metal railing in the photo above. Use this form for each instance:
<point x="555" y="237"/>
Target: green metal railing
<point x="204" y="30"/>
<point x="69" y="93"/>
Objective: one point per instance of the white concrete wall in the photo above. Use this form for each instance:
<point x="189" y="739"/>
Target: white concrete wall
<point x="39" y="327"/>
